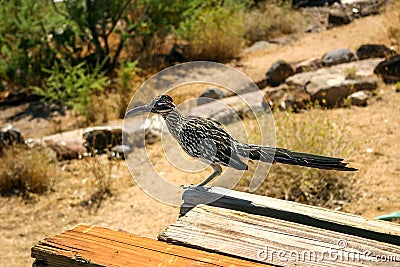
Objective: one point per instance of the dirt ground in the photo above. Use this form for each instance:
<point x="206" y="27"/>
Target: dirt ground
<point x="373" y="133"/>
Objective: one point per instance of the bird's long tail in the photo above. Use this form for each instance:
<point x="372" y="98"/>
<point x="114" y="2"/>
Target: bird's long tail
<point x="285" y="156"/>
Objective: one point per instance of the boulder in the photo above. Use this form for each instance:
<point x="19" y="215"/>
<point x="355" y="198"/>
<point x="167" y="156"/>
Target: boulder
<point x="389" y="69"/>
<point x="338" y="56"/>
<point x="360" y="68"/>
<point x="119" y="151"/>
<point x="99" y="140"/>
<point x="176" y="55"/>
<point x="148" y="132"/>
<point x="210" y="95"/>
<point x="278" y="73"/>
<point x="308" y="65"/>
<point x="359" y="98"/>
<point x="332" y="92"/>
<point x="286" y="98"/>
<point x="66" y="150"/>
<point x="308" y="3"/>
<point x="10" y="136"/>
<point x="259" y="45"/>
<point x="225" y="116"/>
<point x="339" y="17"/>
<point x="373" y="51"/>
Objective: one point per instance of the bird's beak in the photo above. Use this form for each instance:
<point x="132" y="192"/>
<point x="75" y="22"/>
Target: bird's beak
<point x="139" y="110"/>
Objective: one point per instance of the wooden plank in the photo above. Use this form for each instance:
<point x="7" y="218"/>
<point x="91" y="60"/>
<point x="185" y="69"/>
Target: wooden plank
<point x="86" y="245"/>
<point x="292" y="212"/>
<point x="275" y="241"/>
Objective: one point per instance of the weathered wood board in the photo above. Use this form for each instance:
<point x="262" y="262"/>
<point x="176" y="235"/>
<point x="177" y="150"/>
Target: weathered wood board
<point x="86" y="245"/>
<point x="292" y="212"/>
<point x="275" y="241"/>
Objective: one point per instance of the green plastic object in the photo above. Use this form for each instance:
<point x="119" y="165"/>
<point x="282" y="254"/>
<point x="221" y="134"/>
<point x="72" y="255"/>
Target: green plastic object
<point x="388" y="217"/>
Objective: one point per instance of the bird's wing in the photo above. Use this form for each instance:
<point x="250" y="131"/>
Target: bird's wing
<point x="208" y="140"/>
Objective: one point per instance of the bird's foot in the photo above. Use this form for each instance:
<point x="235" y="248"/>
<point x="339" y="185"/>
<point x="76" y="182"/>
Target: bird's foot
<point x="197" y="187"/>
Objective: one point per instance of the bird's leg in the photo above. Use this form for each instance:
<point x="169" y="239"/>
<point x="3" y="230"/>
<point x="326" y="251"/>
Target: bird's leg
<point x="217" y="171"/>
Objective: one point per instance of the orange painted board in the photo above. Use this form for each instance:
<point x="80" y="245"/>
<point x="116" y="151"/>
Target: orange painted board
<point x="86" y="245"/>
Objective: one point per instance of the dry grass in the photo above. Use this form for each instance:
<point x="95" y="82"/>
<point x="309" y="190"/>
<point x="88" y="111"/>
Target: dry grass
<point x="271" y="20"/>
<point x="312" y="133"/>
<point x="24" y="171"/>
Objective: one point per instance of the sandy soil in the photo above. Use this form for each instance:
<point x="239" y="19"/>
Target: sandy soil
<point x="373" y="132"/>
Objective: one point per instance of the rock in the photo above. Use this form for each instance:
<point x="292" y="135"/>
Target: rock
<point x="119" y="151"/>
<point x="261" y="83"/>
<point x="176" y="55"/>
<point x="10" y="136"/>
<point x="66" y="150"/>
<point x="99" y="140"/>
<point x="148" y="132"/>
<point x="331" y="93"/>
<point x="257" y="46"/>
<point x="278" y="73"/>
<point x="34" y="142"/>
<point x="338" y="56"/>
<point x="286" y="98"/>
<point x="367" y="7"/>
<point x="246" y="112"/>
<point x="359" y="98"/>
<point x="389" y="69"/>
<point x="308" y="3"/>
<point x="339" y="17"/>
<point x="373" y="51"/>
<point x="225" y="116"/>
<point x="314" y="28"/>
<point x="308" y="65"/>
<point x="333" y="74"/>
<point x="210" y="95"/>
<point x="153" y="129"/>
<point x="231" y="108"/>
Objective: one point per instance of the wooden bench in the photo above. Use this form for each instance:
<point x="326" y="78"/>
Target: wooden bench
<point x="86" y="245"/>
<point x="219" y="227"/>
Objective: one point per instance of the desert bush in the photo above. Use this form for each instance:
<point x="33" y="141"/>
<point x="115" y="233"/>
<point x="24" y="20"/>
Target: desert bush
<point x="100" y="185"/>
<point x="75" y="87"/>
<point x="214" y="30"/>
<point x="393" y="23"/>
<point x="271" y="19"/>
<point x="24" y="170"/>
<point x="315" y="134"/>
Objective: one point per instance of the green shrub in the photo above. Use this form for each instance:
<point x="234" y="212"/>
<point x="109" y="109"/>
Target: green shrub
<point x="315" y="134"/>
<point x="74" y="86"/>
<point x="24" y="48"/>
<point x="24" y="171"/>
<point x="126" y="74"/>
<point x="101" y="30"/>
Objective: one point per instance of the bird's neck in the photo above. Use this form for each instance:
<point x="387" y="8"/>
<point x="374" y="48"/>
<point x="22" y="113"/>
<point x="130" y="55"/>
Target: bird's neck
<point x="174" y="122"/>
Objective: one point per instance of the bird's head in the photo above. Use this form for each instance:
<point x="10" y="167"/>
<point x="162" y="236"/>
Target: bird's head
<point x="162" y="104"/>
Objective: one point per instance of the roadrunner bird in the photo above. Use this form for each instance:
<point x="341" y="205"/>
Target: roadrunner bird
<point x="207" y="140"/>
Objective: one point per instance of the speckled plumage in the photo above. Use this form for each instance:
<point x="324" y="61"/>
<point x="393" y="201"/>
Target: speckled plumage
<point x="207" y="140"/>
